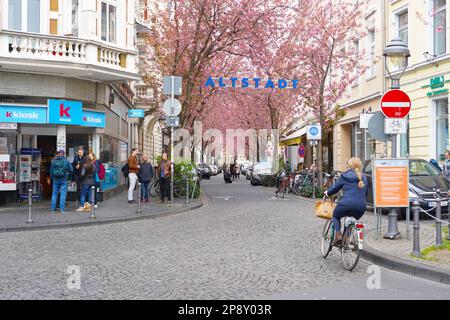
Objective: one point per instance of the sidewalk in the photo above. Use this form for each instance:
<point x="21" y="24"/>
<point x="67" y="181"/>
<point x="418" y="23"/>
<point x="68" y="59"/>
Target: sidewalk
<point x="116" y="209"/>
<point x="396" y="254"/>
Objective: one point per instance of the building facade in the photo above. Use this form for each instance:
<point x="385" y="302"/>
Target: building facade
<point x="63" y="65"/>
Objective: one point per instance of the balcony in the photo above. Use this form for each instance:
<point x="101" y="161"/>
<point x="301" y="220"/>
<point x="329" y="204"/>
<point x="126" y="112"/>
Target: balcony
<point x="65" y="56"/>
<point x="145" y="96"/>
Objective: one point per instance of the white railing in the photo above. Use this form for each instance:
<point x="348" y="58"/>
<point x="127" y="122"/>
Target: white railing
<point x="45" y="47"/>
<point x="58" y="48"/>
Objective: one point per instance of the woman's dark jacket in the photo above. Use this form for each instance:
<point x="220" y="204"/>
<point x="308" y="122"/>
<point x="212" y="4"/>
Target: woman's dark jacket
<point x="354" y="198"/>
<point x="145" y="173"/>
<point x="89" y="170"/>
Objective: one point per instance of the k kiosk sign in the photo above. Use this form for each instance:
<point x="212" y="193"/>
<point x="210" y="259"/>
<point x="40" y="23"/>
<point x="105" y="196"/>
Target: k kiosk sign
<point x="65" y="112"/>
<point x="23" y="114"/>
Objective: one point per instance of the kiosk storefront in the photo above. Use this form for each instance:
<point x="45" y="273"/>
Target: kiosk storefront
<point x="61" y="124"/>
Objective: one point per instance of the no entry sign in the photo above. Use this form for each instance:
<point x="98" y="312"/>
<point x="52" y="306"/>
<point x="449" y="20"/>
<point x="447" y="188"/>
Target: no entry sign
<point x="395" y="104"/>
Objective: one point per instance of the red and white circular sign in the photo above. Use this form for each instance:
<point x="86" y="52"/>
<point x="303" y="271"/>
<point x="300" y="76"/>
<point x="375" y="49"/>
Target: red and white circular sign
<point x="395" y="104"/>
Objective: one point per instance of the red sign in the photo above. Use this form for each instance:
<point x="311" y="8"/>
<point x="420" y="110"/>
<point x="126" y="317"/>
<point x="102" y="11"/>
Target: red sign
<point x="395" y="104"/>
<point x="301" y="151"/>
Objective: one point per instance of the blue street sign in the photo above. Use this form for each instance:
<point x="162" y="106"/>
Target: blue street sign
<point x="23" y="114"/>
<point x="94" y="119"/>
<point x="314" y="132"/>
<point x="65" y="112"/>
<point x="136" y="113"/>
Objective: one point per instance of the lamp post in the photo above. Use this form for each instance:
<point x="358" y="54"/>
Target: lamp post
<point x="396" y="56"/>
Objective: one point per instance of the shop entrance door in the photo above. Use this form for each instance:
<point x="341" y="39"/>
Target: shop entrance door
<point x="47" y="144"/>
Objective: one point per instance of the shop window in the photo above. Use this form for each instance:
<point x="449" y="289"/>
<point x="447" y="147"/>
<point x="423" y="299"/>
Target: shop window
<point x="441" y="128"/>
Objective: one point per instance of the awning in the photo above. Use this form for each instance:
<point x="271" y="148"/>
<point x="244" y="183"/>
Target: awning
<point x="293" y="139"/>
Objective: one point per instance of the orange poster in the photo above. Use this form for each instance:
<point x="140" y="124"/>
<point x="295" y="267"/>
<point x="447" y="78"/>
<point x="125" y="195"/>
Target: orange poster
<point x="391" y="183"/>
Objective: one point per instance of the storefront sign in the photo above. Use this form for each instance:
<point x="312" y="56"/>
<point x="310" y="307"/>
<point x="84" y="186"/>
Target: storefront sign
<point x="252" y="82"/>
<point x="94" y="119"/>
<point x="391" y="188"/>
<point x="23" y="114"/>
<point x="437" y="82"/>
<point x="437" y="92"/>
<point x="136" y="113"/>
<point x="8" y="126"/>
<point x="65" y="112"/>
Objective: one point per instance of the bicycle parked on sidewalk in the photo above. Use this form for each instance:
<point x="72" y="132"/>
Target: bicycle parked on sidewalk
<point x="351" y="244"/>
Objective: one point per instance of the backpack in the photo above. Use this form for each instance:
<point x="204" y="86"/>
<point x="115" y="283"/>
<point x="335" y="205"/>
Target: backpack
<point x="101" y="171"/>
<point x="59" y="168"/>
<point x="125" y="170"/>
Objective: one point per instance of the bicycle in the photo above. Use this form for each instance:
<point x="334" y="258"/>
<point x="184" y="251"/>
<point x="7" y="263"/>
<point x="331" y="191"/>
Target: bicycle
<point x="282" y="187"/>
<point x="351" y="244"/>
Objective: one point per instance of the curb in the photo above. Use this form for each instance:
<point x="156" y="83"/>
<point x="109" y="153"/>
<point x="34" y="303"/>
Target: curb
<point x="99" y="222"/>
<point x="405" y="266"/>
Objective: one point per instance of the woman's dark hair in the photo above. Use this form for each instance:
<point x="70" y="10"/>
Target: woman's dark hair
<point x="88" y="166"/>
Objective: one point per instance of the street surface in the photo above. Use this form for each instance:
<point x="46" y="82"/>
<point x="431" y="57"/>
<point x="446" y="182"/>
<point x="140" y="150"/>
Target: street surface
<point x="242" y="245"/>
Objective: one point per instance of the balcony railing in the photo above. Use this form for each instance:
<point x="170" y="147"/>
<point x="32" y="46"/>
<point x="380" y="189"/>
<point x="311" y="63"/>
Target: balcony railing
<point x="24" y="45"/>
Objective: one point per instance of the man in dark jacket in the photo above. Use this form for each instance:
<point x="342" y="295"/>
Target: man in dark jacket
<point x="145" y="175"/>
<point x="60" y="169"/>
<point x="163" y="172"/>
<point x="77" y="163"/>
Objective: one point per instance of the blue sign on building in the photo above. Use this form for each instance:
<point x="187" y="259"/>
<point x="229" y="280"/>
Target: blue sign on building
<point x="136" y="113"/>
<point x="23" y="114"/>
<point x="93" y="119"/>
<point x="65" y="112"/>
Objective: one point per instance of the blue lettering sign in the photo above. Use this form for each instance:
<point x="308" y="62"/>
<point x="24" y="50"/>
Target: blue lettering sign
<point x="23" y="114"/>
<point x="210" y="83"/>
<point x="94" y="119"/>
<point x="136" y="113"/>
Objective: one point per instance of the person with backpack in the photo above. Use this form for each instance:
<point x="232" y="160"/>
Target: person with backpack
<point x="145" y="175"/>
<point x="60" y="169"/>
<point x="133" y="168"/>
<point x="88" y="173"/>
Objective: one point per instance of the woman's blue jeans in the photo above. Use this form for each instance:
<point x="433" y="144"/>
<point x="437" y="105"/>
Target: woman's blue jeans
<point x="145" y="190"/>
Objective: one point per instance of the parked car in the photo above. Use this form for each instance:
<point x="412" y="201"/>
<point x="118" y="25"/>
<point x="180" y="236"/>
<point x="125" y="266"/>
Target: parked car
<point x="259" y="171"/>
<point x="213" y="169"/>
<point x="204" y="170"/>
<point x="424" y="180"/>
<point x="245" y="166"/>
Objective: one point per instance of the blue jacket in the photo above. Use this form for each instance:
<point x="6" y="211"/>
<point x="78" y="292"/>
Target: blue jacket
<point x="69" y="169"/>
<point x="354" y="198"/>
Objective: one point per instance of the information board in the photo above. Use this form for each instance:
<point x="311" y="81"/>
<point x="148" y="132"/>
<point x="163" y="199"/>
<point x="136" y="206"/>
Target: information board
<point x="391" y="183"/>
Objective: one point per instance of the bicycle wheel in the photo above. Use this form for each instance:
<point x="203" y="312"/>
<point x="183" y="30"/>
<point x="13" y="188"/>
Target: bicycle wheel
<point x="179" y="188"/>
<point x="156" y="187"/>
<point x="350" y="250"/>
<point x="327" y="238"/>
<point x="283" y="190"/>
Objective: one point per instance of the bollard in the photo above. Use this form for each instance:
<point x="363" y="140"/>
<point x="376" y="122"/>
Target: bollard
<point x="30" y="204"/>
<point x="187" y="190"/>
<point x="92" y="203"/>
<point x="438" y="217"/>
<point x="416" y="227"/>
<point x="392" y="232"/>
<point x="139" y="204"/>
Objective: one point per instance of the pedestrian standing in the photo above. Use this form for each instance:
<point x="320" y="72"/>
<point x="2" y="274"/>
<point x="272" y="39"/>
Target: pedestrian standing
<point x="76" y="164"/>
<point x="164" y="171"/>
<point x="98" y="176"/>
<point x="88" y="172"/>
<point x="145" y="175"/>
<point x="238" y="172"/>
<point x="60" y="169"/>
<point x="232" y="171"/>
<point x="133" y="167"/>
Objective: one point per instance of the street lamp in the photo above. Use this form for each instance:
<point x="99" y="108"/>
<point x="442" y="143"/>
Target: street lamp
<point x="396" y="56"/>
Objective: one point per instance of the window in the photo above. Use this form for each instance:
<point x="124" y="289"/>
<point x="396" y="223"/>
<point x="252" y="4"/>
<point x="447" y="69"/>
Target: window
<point x="15" y="15"/>
<point x="403" y="26"/>
<point x="18" y="9"/>
<point x="75" y="8"/>
<point x="108" y="22"/>
<point x="439" y="27"/>
<point x="441" y="128"/>
<point x="371" y="37"/>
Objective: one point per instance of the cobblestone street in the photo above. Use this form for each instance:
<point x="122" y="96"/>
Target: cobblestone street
<point x="242" y="244"/>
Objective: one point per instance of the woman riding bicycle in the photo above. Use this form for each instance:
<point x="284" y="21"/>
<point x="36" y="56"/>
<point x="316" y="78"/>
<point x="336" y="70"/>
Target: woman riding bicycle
<point x="353" y="202"/>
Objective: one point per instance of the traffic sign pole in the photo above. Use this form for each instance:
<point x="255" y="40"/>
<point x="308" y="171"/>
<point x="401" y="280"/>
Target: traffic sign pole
<point x="171" y="144"/>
